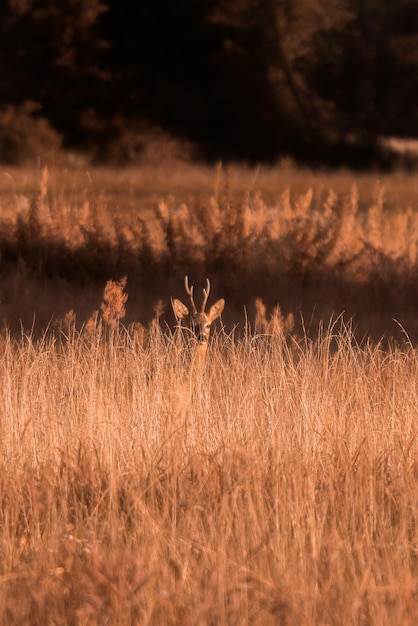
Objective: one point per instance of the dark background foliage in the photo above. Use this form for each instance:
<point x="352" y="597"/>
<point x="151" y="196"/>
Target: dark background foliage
<point x="320" y="80"/>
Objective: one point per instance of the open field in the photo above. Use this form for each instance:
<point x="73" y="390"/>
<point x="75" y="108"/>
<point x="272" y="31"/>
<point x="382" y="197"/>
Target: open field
<point x="274" y="485"/>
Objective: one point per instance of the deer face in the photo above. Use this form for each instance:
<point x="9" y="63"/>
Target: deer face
<point x="199" y="321"/>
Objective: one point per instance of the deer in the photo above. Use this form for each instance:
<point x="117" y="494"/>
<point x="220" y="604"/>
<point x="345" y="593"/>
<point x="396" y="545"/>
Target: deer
<point x="199" y="322"/>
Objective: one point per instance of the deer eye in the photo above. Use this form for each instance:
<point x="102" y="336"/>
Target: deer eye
<point x="207" y="326"/>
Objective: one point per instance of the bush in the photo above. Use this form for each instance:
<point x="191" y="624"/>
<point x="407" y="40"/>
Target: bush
<point x="24" y="135"/>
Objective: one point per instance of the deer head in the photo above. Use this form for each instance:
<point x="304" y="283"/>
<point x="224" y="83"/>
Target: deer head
<point x="199" y="321"/>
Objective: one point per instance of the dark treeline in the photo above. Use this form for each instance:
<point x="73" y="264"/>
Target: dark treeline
<point x="320" y="80"/>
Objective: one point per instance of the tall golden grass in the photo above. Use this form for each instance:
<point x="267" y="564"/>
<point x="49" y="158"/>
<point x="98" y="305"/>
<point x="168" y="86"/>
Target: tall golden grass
<point x="276" y="486"/>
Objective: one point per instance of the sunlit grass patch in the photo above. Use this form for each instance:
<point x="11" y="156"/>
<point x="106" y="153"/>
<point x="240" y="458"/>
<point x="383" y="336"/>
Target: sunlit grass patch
<point x="275" y="485"/>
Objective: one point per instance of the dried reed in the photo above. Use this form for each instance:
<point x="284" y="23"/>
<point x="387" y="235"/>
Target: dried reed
<point x="282" y="491"/>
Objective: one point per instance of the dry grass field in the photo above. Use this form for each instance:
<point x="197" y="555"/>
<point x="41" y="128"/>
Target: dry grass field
<point x="275" y="484"/>
<point x="317" y="243"/>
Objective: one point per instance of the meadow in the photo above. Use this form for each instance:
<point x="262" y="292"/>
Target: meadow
<point x="275" y="484"/>
<point x="316" y="243"/>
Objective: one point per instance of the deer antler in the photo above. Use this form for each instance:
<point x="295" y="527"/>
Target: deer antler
<point x="189" y="290"/>
<point x="205" y="294"/>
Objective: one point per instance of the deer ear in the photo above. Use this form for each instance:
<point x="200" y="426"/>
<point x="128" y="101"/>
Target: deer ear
<point x="216" y="309"/>
<point x="180" y="310"/>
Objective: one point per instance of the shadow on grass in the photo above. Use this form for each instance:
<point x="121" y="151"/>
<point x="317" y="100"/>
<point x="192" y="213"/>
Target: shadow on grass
<point x="42" y="280"/>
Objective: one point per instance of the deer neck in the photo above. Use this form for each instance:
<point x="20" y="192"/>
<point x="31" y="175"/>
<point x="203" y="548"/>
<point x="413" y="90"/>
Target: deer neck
<point x="200" y="354"/>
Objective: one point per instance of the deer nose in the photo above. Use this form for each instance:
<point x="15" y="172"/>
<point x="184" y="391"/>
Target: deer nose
<point x="201" y="338"/>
